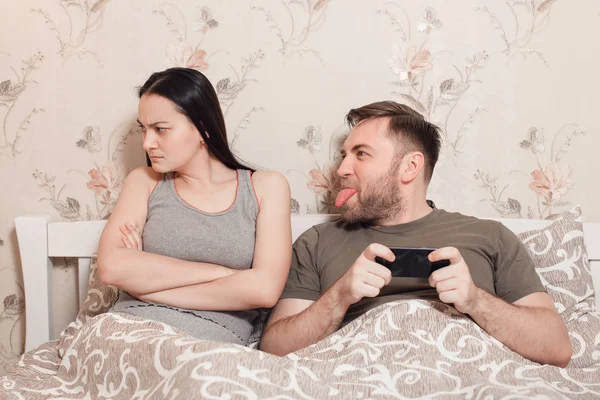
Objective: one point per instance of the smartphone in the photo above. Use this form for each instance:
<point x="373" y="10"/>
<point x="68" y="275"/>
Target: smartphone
<point x="412" y="262"/>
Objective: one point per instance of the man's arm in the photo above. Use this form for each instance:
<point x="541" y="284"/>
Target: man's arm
<point x="295" y="323"/>
<point x="531" y="326"/>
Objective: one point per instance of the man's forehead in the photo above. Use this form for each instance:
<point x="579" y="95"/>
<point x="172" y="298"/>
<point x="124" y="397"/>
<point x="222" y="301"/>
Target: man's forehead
<point x="368" y="132"/>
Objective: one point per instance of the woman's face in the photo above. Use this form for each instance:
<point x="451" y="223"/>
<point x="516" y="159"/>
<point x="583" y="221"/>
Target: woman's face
<point x="170" y="138"/>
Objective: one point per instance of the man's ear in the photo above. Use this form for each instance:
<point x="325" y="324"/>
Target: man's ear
<point x="411" y="166"/>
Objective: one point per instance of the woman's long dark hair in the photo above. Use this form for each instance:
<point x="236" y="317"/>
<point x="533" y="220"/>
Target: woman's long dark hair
<point x="195" y="97"/>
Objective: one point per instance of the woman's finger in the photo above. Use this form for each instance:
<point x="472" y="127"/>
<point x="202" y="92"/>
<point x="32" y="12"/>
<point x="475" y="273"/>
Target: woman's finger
<point x="130" y="236"/>
<point x="135" y="235"/>
<point x="126" y="242"/>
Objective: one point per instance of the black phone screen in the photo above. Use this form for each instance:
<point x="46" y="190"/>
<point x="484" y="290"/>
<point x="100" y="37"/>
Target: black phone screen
<point x="412" y="262"/>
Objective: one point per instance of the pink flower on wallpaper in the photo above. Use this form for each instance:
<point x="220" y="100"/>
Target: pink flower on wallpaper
<point x="185" y="56"/>
<point x="552" y="183"/>
<point x="196" y="61"/>
<point x="324" y="181"/>
<point x="106" y="182"/>
<point x="408" y="62"/>
<point x="318" y="183"/>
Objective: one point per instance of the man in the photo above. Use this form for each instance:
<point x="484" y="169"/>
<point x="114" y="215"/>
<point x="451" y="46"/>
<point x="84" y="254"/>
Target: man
<point x="389" y="157"/>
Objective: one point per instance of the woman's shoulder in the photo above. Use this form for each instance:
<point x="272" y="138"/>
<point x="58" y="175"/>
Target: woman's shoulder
<point x="143" y="177"/>
<point x="270" y="184"/>
<point x="269" y="179"/>
<point x="144" y="174"/>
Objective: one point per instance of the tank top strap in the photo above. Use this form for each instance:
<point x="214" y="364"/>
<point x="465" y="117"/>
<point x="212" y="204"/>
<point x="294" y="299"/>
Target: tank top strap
<point x="160" y="186"/>
<point x="246" y="192"/>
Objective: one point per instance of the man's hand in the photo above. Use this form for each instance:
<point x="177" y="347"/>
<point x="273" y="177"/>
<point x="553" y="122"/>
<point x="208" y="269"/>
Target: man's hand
<point x="454" y="283"/>
<point x="366" y="277"/>
<point x="131" y="236"/>
<point x="295" y="323"/>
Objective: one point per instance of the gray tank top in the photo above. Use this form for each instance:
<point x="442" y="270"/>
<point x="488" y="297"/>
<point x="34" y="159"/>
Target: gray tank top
<point x="176" y="229"/>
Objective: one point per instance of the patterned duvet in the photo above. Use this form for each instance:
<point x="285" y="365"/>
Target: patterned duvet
<point x="404" y="349"/>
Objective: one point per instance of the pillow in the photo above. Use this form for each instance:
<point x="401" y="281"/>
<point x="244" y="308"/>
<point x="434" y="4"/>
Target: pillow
<point x="100" y="297"/>
<point x="562" y="263"/>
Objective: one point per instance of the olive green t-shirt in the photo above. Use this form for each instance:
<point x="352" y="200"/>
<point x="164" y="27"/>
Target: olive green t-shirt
<point x="497" y="259"/>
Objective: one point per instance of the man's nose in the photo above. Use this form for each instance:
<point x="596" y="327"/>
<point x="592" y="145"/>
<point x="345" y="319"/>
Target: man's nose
<point x="345" y="168"/>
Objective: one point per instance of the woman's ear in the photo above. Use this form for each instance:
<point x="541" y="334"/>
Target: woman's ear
<point x="411" y="166"/>
<point x="204" y="129"/>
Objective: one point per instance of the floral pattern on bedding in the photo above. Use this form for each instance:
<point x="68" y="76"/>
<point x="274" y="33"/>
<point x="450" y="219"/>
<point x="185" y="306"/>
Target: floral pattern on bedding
<point x="562" y="262"/>
<point x="403" y="349"/>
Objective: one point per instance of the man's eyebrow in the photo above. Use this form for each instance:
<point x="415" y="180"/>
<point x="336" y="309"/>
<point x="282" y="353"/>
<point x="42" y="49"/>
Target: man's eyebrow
<point x="361" y="146"/>
<point x="356" y="148"/>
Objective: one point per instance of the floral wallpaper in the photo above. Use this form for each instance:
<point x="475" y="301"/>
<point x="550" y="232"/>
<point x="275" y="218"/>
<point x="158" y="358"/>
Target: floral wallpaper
<point x="513" y="86"/>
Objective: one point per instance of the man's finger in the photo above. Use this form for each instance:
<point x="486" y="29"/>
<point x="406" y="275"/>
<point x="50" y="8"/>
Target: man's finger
<point x="373" y="280"/>
<point x="449" y="297"/>
<point x="446" y="253"/>
<point x="443" y="274"/>
<point x="380" y="271"/>
<point x="378" y="250"/>
<point x="447" y="285"/>
<point x="370" y="291"/>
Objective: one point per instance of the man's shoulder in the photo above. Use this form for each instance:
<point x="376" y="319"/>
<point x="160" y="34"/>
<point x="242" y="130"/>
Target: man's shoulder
<point x="461" y="224"/>
<point x="331" y="229"/>
<point x="468" y="222"/>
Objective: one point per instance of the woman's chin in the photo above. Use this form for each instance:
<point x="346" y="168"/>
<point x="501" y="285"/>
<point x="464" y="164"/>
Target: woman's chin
<point x="159" y="168"/>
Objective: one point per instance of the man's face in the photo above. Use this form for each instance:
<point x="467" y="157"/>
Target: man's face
<point x="370" y="174"/>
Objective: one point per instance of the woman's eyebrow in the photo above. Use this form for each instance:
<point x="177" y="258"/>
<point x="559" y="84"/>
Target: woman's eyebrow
<point x="152" y="124"/>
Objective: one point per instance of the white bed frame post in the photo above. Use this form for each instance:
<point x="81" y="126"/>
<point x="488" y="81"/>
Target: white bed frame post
<point x="32" y="236"/>
<point x="39" y="242"/>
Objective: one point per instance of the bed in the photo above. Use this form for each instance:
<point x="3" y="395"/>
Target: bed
<point x="403" y="349"/>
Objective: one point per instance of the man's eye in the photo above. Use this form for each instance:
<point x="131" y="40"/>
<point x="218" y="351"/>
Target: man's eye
<point x="361" y="153"/>
<point x="160" y="129"/>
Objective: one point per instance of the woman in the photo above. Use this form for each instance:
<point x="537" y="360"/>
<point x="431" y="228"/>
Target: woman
<point x="198" y="241"/>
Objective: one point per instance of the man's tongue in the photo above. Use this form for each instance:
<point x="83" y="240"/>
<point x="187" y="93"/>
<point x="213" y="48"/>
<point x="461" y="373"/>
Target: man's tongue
<point x="344" y="196"/>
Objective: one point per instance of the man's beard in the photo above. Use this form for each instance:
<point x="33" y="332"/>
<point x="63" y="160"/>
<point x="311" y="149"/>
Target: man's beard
<point x="378" y="200"/>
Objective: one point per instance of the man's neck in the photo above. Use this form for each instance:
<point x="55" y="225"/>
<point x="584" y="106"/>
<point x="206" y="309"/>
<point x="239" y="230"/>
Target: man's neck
<point x="412" y="212"/>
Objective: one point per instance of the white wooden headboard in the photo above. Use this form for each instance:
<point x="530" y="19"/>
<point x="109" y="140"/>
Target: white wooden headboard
<point x="41" y="240"/>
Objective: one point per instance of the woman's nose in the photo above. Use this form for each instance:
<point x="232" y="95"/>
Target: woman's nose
<point x="149" y="142"/>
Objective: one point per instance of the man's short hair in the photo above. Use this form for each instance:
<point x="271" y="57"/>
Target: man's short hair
<point x="409" y="128"/>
